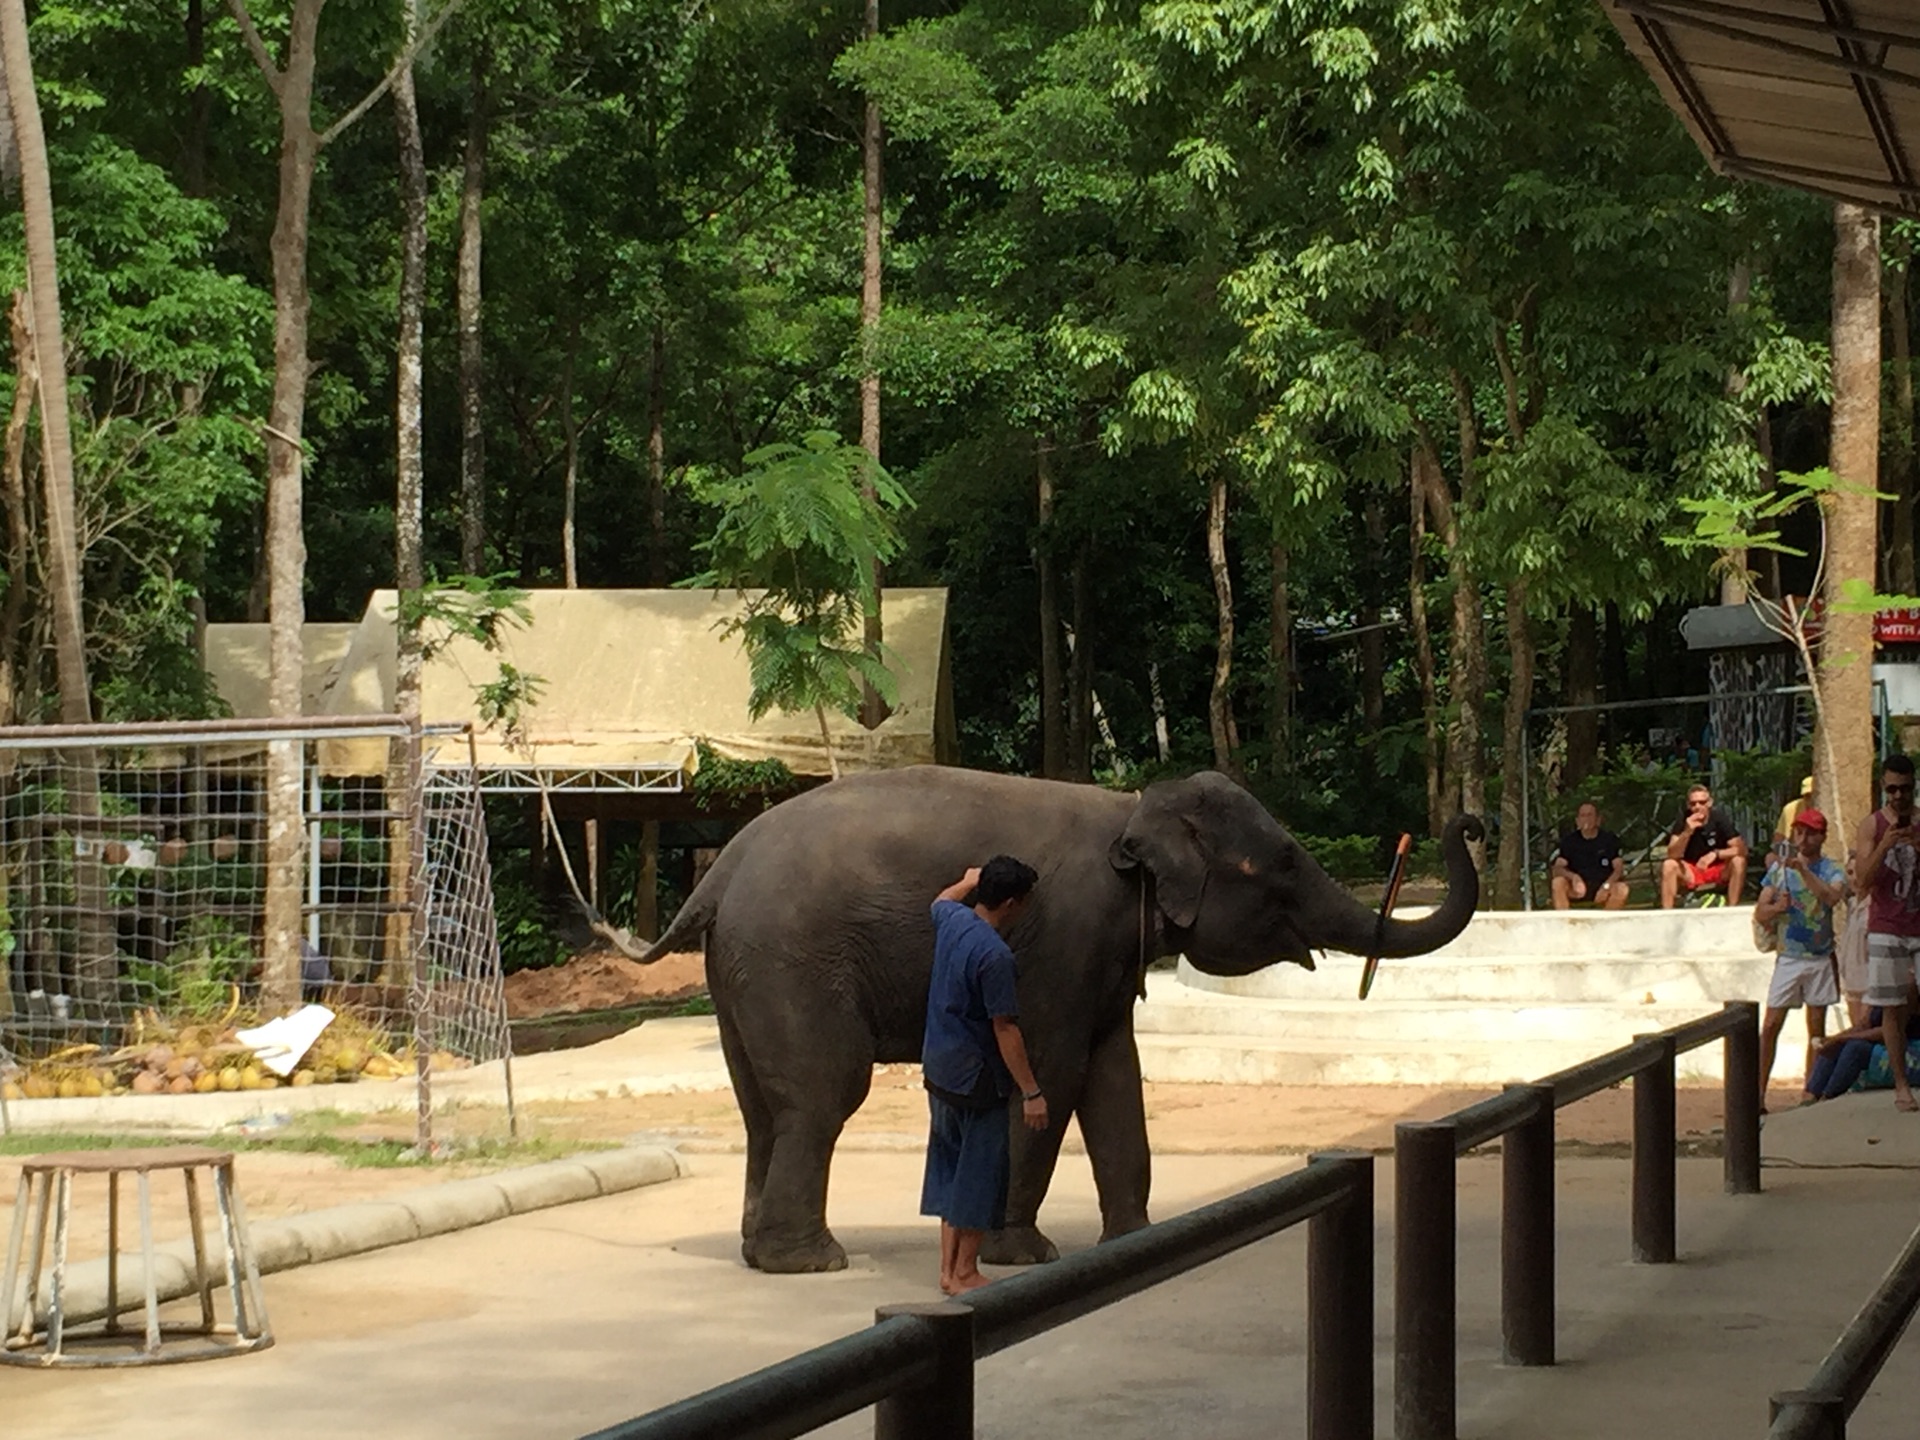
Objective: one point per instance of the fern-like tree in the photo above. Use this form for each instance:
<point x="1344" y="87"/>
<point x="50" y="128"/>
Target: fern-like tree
<point x="801" y="534"/>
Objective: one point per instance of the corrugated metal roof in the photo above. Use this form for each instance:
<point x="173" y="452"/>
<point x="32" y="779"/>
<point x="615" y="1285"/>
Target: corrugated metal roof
<point x="1822" y="95"/>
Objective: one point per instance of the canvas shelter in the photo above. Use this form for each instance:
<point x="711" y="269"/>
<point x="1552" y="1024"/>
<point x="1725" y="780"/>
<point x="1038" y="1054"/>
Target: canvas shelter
<point x="632" y="684"/>
<point x="1821" y="95"/>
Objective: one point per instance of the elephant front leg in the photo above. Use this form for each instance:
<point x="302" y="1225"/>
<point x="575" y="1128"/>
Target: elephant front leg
<point x="1113" y="1121"/>
<point x="1034" y="1153"/>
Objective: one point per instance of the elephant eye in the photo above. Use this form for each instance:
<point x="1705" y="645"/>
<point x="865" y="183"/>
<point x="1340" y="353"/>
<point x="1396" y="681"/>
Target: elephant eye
<point x="1246" y="865"/>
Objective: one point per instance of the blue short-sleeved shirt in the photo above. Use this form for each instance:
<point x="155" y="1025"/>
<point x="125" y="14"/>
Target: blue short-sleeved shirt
<point x="1806" y="931"/>
<point x="973" y="975"/>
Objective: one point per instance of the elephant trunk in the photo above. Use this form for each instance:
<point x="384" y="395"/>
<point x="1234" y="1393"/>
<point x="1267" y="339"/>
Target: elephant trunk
<point x="1359" y="930"/>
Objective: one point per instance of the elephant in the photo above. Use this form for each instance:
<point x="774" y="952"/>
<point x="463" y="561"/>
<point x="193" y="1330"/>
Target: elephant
<point x="819" y="948"/>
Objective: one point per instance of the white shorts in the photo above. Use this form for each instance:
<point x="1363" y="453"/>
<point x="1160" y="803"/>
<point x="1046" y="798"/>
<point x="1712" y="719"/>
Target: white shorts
<point x="1801" y="981"/>
<point x="1892" y="960"/>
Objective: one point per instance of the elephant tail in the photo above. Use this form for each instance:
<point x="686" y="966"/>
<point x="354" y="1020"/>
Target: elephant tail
<point x="689" y="928"/>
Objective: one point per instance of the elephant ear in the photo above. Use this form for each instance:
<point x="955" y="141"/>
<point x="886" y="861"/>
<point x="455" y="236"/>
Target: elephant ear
<point x="1161" y="836"/>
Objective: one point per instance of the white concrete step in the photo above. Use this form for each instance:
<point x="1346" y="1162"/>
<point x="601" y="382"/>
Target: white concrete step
<point x="1407" y="1021"/>
<point x="1258" y="1060"/>
<point x="1533" y="979"/>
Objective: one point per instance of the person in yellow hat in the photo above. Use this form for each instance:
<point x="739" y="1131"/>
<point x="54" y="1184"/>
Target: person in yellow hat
<point x="1789" y="811"/>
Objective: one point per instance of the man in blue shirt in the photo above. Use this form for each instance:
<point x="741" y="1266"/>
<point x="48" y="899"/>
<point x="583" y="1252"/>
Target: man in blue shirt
<point x="971" y="1060"/>
<point x="1798" y="897"/>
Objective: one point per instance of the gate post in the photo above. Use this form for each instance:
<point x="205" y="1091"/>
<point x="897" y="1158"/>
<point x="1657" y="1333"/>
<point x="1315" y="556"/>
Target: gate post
<point x="1741" y="1104"/>
<point x="1340" y="1307"/>
<point x="1424" y="1280"/>
<point x="942" y="1409"/>
<point x="1527" y="1247"/>
<point x="1653" y="1158"/>
<point x="1832" y="1410"/>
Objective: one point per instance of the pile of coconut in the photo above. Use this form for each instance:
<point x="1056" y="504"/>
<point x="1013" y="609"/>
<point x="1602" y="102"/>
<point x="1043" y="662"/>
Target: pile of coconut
<point x="198" y="1057"/>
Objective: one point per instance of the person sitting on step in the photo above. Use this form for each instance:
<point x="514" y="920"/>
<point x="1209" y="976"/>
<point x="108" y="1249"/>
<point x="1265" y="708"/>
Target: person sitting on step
<point x="1589" y="865"/>
<point x="1705" y="852"/>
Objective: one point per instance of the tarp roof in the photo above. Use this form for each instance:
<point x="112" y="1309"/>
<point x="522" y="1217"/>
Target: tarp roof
<point x="631" y="680"/>
<point x="237" y="661"/>
<point x="1822" y="95"/>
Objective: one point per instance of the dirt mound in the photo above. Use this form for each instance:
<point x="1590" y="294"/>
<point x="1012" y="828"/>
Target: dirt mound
<point x="603" y="980"/>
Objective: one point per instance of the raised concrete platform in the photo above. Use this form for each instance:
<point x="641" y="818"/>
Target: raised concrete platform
<point x="1516" y="996"/>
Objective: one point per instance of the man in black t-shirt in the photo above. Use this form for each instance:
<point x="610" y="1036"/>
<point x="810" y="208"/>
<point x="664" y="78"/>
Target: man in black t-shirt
<point x="1704" y="852"/>
<point x="1589" y="865"/>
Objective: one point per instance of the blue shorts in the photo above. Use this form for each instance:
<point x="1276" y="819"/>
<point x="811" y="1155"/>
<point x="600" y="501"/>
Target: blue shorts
<point x="967" y="1166"/>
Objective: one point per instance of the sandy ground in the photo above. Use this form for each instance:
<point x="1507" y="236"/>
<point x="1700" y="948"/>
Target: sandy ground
<point x="603" y="980"/>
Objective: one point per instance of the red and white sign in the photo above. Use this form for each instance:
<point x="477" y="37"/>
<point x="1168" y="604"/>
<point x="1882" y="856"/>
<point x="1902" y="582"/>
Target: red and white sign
<point x="1897" y="627"/>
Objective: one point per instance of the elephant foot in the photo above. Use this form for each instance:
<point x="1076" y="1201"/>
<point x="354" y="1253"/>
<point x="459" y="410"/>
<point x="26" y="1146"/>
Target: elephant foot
<point x="1017" y="1245"/>
<point x="1114" y="1229"/>
<point x="809" y="1257"/>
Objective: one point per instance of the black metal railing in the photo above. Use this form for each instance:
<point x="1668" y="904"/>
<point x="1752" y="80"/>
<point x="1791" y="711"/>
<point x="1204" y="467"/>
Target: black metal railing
<point x="1821" y="1411"/>
<point x="914" y="1364"/>
<point x="1425" y="1152"/>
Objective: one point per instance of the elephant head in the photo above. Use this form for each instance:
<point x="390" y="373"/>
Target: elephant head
<point x="1238" y="893"/>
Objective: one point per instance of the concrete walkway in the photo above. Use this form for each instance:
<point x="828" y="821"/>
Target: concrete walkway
<point x="557" y="1323"/>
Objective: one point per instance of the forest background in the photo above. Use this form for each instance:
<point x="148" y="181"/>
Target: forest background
<point x="1303" y="387"/>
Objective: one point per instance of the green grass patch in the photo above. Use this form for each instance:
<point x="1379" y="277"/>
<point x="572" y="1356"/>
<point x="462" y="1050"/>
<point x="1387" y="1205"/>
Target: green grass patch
<point x="356" y="1153"/>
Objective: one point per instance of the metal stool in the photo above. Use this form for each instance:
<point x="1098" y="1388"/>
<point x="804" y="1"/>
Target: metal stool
<point x="46" y="1188"/>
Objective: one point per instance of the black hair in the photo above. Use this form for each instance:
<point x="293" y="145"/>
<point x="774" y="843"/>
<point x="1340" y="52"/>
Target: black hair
<point x="1004" y="878"/>
<point x="1898" y="765"/>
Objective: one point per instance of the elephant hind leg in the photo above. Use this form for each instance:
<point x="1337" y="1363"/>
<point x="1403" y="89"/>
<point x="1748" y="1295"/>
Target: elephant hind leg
<point x="758" y="1117"/>
<point x="1021" y="1241"/>
<point x="790" y="1234"/>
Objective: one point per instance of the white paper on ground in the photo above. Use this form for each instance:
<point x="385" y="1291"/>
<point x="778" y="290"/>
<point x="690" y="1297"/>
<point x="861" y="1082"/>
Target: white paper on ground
<point x="281" y="1042"/>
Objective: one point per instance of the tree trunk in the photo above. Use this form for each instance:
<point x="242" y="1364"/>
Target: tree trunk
<point x="1280" y="663"/>
<point x="15" y="701"/>
<point x="1511" y="867"/>
<point x="96" y="962"/>
<point x="473" y="437"/>
<point x="1733" y="579"/>
<point x="646" y="885"/>
<point x="570" y="440"/>
<point x="1053" y="740"/>
<point x="193" y="145"/>
<point x="1845" y="761"/>
<point x="1434" y="753"/>
<point x="1079" y="764"/>
<point x="1373" y="651"/>
<point x="1220" y="697"/>
<point x="286" y="551"/>
<point x="1614" y="673"/>
<point x="409" y="571"/>
<point x="1582" y="688"/>
<point x="872" y="708"/>
<point x="1904" y="473"/>
<point x="657" y="460"/>
<point x="62" y="577"/>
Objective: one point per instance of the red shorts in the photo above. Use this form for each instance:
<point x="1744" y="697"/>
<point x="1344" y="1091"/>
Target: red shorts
<point x="1702" y="877"/>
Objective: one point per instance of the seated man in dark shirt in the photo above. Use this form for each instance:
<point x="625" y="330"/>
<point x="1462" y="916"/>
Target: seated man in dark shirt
<point x="1589" y="865"/>
<point x="1704" y="852"/>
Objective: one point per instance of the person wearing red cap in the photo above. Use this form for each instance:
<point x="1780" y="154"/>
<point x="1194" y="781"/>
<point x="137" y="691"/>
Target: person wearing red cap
<point x="1798" y="899"/>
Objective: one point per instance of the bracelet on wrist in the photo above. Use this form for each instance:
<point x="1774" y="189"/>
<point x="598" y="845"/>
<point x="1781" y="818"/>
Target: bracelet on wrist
<point x="1030" y="1095"/>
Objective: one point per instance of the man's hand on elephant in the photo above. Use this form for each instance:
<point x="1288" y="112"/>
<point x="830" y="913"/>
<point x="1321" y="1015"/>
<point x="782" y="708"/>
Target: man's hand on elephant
<point x="962" y="888"/>
<point x="1033" y="1110"/>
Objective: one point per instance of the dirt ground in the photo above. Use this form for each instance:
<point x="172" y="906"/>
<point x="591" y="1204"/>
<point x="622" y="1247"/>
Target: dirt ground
<point x="603" y="980"/>
<point x="271" y="1185"/>
<point x="1181" y="1119"/>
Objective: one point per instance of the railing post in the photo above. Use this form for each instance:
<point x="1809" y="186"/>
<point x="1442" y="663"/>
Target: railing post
<point x="1424" y="1291"/>
<point x="1653" y="1157"/>
<point x="1832" y="1410"/>
<point x="1740" y="1133"/>
<point x="1527" y="1235"/>
<point x="942" y="1409"/>
<point x="1340" y="1308"/>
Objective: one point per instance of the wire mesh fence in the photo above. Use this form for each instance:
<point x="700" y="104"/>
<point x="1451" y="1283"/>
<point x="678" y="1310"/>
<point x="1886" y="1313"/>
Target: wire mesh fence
<point x="166" y="889"/>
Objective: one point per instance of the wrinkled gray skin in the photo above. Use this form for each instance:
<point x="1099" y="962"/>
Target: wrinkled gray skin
<point x="819" y="947"/>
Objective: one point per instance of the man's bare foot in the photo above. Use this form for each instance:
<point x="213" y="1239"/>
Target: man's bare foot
<point x="961" y="1284"/>
<point x="1905" y="1102"/>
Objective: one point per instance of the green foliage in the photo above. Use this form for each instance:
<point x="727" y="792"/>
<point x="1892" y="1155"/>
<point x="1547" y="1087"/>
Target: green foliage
<point x="718" y="780"/>
<point x="800" y="534"/>
<point x="196" y="980"/>
<point x="527" y="937"/>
